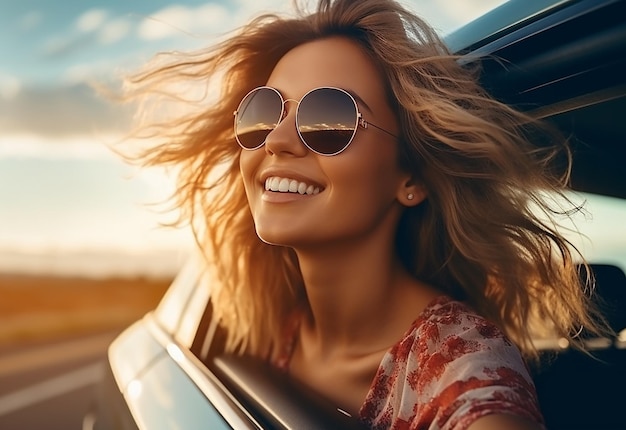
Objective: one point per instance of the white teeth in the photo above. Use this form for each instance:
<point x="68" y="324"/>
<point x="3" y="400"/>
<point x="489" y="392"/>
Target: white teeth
<point x="285" y="185"/>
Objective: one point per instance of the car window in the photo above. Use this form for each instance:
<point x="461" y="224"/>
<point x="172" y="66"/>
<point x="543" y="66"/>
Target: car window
<point x="598" y="229"/>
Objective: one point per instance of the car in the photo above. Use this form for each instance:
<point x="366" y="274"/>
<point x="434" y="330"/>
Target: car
<point x="561" y="60"/>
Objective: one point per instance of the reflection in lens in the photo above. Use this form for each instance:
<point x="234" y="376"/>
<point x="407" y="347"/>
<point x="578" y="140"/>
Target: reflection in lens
<point x="327" y="120"/>
<point x="258" y="114"/>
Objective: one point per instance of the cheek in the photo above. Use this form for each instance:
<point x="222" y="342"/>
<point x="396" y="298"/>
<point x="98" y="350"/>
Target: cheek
<point x="248" y="165"/>
<point x="371" y="172"/>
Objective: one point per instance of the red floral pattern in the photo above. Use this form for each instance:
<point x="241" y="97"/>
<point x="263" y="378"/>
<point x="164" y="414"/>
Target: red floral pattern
<point x="451" y="368"/>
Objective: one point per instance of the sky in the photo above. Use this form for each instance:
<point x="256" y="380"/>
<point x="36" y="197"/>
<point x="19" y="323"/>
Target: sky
<point x="66" y="200"/>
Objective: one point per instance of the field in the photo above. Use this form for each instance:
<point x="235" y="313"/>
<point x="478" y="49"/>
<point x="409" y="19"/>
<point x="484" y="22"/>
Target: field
<point x="37" y="307"/>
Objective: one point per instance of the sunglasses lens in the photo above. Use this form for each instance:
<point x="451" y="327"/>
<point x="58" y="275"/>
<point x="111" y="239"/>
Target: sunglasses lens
<point x="327" y="119"/>
<point x="258" y="114"/>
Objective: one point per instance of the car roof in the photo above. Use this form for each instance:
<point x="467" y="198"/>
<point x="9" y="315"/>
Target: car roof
<point x="564" y="61"/>
<point x="501" y="20"/>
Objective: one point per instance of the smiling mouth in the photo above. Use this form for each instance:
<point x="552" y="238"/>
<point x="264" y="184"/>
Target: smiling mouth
<point x="286" y="185"/>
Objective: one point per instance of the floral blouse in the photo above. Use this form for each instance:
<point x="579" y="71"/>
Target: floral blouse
<point x="451" y="367"/>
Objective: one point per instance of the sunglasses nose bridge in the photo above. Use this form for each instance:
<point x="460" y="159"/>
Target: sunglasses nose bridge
<point x="279" y="142"/>
<point x="285" y="111"/>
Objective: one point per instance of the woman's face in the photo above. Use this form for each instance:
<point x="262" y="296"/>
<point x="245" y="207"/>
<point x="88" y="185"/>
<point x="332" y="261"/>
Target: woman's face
<point x="360" y="189"/>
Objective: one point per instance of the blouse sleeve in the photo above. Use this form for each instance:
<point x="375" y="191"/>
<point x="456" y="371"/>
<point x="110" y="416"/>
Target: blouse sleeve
<point x="450" y="369"/>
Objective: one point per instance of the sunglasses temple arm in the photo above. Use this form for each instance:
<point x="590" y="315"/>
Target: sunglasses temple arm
<point x="365" y="124"/>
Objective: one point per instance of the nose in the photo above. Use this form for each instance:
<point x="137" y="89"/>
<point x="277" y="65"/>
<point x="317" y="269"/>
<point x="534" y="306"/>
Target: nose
<point x="284" y="139"/>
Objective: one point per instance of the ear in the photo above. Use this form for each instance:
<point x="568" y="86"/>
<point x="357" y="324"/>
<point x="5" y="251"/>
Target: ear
<point x="411" y="193"/>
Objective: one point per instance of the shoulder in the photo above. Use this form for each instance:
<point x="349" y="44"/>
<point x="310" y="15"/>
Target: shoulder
<point x="451" y="340"/>
<point x="454" y="366"/>
<point x="450" y="344"/>
<point x="444" y="311"/>
<point x="449" y="330"/>
<point x="458" y="329"/>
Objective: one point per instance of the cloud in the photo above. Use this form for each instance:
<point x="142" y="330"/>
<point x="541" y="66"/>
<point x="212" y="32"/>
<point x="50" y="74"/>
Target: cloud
<point x="64" y="46"/>
<point x="30" y="20"/>
<point x="93" y="27"/>
<point x="23" y="145"/>
<point x="247" y="9"/>
<point x="60" y="112"/>
<point x="114" y="31"/>
<point x="10" y="86"/>
<point x="91" y="20"/>
<point x="84" y="73"/>
<point x="175" y="20"/>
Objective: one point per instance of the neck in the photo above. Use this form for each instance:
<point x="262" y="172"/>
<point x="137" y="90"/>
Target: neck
<point x="355" y="292"/>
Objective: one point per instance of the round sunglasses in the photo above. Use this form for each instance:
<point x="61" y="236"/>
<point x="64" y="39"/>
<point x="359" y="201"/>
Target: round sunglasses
<point x="327" y="118"/>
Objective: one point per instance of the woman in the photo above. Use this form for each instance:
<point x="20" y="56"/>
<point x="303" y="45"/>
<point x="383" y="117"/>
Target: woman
<point x="368" y="218"/>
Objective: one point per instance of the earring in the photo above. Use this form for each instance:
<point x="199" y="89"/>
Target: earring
<point x="410" y="196"/>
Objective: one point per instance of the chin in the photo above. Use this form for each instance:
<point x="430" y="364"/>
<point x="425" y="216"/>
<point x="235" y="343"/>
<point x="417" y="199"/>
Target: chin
<point x="281" y="237"/>
<point x="274" y="236"/>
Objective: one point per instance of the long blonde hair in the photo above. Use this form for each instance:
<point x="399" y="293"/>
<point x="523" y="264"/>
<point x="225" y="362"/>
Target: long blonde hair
<point x="478" y="236"/>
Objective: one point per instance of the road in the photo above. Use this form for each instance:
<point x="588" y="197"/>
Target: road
<point x="50" y="385"/>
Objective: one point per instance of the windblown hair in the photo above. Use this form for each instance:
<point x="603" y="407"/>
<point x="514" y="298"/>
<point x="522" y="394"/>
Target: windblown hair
<point x="485" y="233"/>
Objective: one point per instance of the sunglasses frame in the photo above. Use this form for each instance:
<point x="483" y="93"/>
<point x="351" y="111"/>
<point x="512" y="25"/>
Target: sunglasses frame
<point x="359" y="120"/>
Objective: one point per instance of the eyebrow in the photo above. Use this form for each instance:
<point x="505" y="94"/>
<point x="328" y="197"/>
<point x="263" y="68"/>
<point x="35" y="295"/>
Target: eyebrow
<point x="359" y="100"/>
